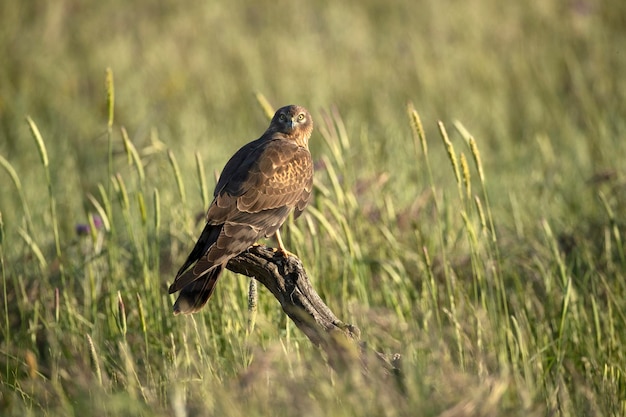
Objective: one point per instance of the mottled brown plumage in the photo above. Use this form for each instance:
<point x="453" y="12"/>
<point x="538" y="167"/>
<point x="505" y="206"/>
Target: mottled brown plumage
<point x="260" y="185"/>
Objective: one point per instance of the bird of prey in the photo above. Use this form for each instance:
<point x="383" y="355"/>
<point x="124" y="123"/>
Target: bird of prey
<point x="259" y="186"/>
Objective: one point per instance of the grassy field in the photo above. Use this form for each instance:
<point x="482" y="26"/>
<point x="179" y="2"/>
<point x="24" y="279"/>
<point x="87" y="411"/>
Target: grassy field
<point x="469" y="210"/>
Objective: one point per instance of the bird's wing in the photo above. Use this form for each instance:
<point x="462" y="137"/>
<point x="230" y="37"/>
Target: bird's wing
<point x="305" y="197"/>
<point x="282" y="173"/>
<point x="280" y="177"/>
<point x="237" y="168"/>
<point x="186" y="275"/>
<point x="230" y="240"/>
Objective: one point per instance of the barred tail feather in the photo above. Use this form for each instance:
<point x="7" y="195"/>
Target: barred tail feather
<point x="196" y="294"/>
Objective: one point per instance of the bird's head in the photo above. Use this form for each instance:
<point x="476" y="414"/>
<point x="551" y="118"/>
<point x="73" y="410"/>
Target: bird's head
<point x="293" y="121"/>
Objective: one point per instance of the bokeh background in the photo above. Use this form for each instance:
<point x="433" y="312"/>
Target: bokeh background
<point x="541" y="86"/>
<point x="515" y="75"/>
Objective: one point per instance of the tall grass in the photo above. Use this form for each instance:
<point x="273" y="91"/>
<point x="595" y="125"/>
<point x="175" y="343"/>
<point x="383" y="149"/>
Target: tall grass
<point x="488" y="252"/>
<point x="483" y="334"/>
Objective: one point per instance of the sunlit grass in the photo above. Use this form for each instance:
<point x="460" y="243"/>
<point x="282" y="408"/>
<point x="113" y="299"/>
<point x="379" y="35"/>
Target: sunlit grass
<point x="448" y="303"/>
<point x="477" y="232"/>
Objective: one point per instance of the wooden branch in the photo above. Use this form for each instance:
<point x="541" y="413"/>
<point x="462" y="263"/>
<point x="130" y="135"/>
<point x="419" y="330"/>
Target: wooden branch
<point x="288" y="282"/>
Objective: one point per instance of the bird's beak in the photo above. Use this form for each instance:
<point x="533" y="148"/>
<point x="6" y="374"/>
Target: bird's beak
<point x="291" y="124"/>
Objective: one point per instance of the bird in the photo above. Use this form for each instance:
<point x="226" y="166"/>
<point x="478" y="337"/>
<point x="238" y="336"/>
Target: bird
<point x="261" y="184"/>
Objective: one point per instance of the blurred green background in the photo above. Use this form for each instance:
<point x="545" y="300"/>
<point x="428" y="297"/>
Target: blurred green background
<point x="540" y="85"/>
<point x="511" y="73"/>
<point x="516" y="75"/>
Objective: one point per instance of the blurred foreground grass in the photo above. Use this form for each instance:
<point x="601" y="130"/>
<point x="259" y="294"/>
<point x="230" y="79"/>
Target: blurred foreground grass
<point x="502" y="287"/>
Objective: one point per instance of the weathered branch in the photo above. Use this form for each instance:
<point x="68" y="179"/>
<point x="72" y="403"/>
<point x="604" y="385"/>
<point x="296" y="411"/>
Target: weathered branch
<point x="288" y="282"/>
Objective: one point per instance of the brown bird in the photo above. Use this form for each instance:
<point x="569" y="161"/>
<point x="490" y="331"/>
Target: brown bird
<point x="260" y="185"/>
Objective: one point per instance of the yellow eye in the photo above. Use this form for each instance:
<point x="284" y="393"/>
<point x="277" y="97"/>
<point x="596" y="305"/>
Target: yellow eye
<point x="282" y="117"/>
<point x="301" y="117"/>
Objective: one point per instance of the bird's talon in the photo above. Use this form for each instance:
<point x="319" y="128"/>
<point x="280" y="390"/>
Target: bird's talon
<point x="285" y="253"/>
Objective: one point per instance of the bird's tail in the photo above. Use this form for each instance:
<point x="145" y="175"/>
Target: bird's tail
<point x="195" y="294"/>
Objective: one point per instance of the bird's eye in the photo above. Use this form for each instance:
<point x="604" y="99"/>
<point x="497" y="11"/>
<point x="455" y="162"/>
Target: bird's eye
<point x="301" y="117"/>
<point x="282" y="117"/>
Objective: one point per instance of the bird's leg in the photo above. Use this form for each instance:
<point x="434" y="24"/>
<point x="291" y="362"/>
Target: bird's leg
<point x="281" y="246"/>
